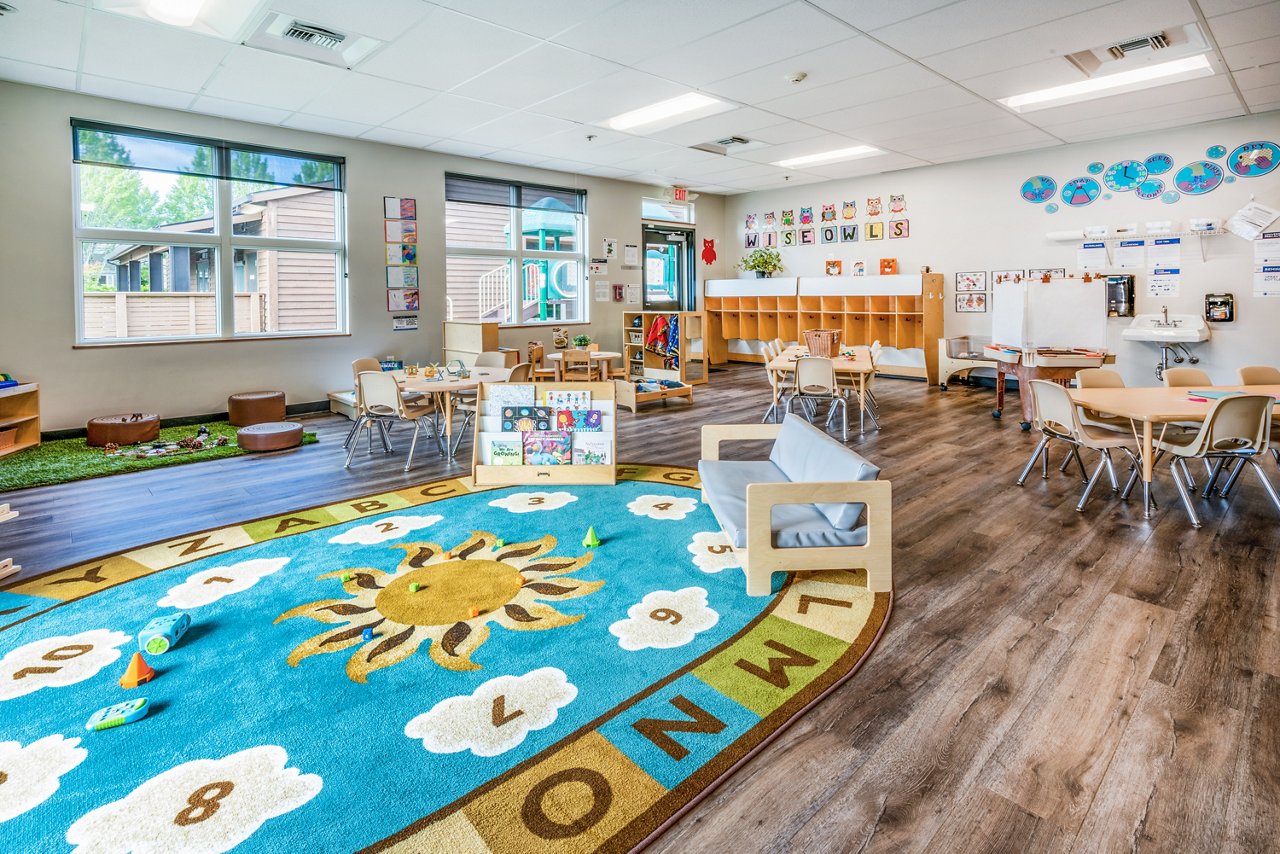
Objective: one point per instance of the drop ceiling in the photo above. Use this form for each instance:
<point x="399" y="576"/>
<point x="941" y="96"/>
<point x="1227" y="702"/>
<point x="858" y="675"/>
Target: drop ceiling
<point x="529" y="82"/>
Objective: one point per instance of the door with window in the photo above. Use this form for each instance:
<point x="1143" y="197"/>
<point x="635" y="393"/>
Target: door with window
<point x="668" y="268"/>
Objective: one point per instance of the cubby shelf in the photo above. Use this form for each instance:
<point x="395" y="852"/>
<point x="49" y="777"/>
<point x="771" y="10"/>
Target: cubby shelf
<point x="641" y="363"/>
<point x="19" y="418"/>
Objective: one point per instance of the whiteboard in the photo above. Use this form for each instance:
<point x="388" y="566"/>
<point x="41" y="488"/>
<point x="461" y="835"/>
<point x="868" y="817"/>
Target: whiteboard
<point x="1062" y="313"/>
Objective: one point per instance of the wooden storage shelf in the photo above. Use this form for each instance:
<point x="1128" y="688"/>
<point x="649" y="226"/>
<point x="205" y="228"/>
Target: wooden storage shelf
<point x="880" y="304"/>
<point x="628" y="396"/>
<point x="693" y="324"/>
<point x="464" y="341"/>
<point x="19" y="418"/>
<point x="910" y="305"/>
<point x="489" y="475"/>
<point x="788" y="327"/>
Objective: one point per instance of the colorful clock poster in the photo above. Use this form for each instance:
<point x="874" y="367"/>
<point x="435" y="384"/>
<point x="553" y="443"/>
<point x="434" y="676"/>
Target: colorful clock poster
<point x="1158" y="164"/>
<point x="1198" y="178"/>
<point x="1125" y="175"/>
<point x="1038" y="188"/>
<point x="1079" y="192"/>
<point x="1149" y="189"/>
<point x="1253" y="159"/>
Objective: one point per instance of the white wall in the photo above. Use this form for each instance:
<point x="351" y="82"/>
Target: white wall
<point x="969" y="216"/>
<point x="37" y="284"/>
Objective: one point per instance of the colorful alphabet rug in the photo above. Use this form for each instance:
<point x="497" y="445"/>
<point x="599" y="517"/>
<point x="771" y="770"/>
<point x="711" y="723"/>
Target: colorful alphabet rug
<point x="439" y="668"/>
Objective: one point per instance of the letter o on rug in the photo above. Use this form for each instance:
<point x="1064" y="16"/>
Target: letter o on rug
<point x="540" y="824"/>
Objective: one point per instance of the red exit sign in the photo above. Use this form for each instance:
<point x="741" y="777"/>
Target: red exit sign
<point x="679" y="194"/>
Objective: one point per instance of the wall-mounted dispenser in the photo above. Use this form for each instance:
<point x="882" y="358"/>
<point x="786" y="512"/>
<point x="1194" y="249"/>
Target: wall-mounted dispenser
<point x="1119" y="296"/>
<point x="1219" y="308"/>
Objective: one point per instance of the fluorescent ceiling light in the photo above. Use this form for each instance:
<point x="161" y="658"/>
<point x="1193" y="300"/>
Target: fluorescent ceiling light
<point x="830" y="156"/>
<point x="663" y="110"/>
<point x="1146" y="77"/>
<point x="179" y="13"/>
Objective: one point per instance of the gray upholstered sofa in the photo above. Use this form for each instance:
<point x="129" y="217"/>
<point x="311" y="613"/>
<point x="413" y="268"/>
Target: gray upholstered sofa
<point x="814" y="504"/>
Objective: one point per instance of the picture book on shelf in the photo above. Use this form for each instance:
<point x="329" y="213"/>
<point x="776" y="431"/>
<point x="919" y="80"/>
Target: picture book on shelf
<point x="580" y="420"/>
<point x="501" y="395"/>
<point x="547" y="448"/>
<point x="562" y="399"/>
<point x="592" y="449"/>
<point x="525" y="419"/>
<point x="507" y="452"/>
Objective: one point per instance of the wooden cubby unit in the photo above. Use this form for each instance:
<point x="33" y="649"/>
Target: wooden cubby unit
<point x="19" y="418"/>
<point x="641" y="363"/>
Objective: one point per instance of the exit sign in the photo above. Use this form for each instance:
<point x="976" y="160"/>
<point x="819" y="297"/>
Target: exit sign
<point x="679" y="194"/>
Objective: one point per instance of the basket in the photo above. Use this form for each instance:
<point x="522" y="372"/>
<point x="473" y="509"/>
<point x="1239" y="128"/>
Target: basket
<point x="822" y="342"/>
<point x="8" y="438"/>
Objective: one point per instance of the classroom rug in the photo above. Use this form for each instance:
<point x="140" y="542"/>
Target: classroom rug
<point x="438" y="668"/>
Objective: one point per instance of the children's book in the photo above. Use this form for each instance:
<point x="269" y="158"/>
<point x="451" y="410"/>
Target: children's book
<point x="501" y="395"/>
<point x="579" y="420"/>
<point x="525" y="419"/>
<point x="492" y="445"/>
<point x="560" y="399"/>
<point x="592" y="449"/>
<point x="548" y="448"/>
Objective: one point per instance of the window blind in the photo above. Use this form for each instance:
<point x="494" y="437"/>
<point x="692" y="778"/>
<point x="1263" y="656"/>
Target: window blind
<point x="512" y="194"/>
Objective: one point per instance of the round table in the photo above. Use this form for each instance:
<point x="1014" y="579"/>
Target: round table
<point x="443" y="389"/>
<point x="596" y="356"/>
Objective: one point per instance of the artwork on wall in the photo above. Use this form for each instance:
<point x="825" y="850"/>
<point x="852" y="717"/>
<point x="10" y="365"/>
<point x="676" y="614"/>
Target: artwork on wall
<point x="834" y="267"/>
<point x="1152" y="188"/>
<point x="1038" y="188"/>
<point x="1158" y="164"/>
<point x="850" y="210"/>
<point x="873" y="206"/>
<point x="401" y="253"/>
<point x="975" y="281"/>
<point x="771" y="238"/>
<point x="752" y="240"/>
<point x="897" y="205"/>
<point x="788" y="218"/>
<point x="400" y="231"/>
<point x="829" y="234"/>
<point x="849" y="233"/>
<point x="751" y="222"/>
<point x="899" y="228"/>
<point x="888" y="266"/>
<point x="998" y="276"/>
<point x="807" y="237"/>
<point x="806" y="215"/>
<point x="402" y="299"/>
<point x="768" y="220"/>
<point x="1198" y="178"/>
<point x="1051" y="272"/>
<point x="397" y="207"/>
<point x="1096" y="167"/>
<point x="400" y="236"/>
<point x="969" y="303"/>
<point x="874" y="230"/>
<point x="789" y="237"/>
<point x="859" y="268"/>
<point x="708" y="251"/>
<point x="402" y="277"/>
<point x="1079" y="192"/>
<point x="1125" y="175"/>
<point x="1215" y="151"/>
<point x="829" y="213"/>
<point x="1253" y="159"/>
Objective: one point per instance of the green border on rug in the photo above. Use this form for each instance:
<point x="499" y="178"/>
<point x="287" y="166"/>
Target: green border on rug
<point x="67" y="460"/>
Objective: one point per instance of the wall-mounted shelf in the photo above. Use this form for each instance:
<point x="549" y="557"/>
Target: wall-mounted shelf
<point x="1058" y="237"/>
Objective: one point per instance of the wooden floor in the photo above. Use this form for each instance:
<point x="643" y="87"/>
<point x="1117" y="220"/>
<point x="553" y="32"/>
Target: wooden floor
<point x="1049" y="680"/>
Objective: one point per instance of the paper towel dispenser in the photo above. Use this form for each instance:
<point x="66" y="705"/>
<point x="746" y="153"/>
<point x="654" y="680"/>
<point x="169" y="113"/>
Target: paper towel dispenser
<point x="1119" y="296"/>
<point x="1219" y="308"/>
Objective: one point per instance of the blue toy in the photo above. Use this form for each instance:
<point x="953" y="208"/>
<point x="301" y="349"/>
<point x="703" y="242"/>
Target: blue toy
<point x="367" y="635"/>
<point x="118" y="715"/>
<point x="162" y="633"/>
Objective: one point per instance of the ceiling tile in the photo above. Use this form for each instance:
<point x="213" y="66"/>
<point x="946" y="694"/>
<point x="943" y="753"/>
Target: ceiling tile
<point x="972" y="21"/>
<point x="873" y="16"/>
<point x="831" y="64"/>
<point x="367" y="100"/>
<point x="1153" y="117"/>
<point x="919" y="143"/>
<point x="514" y="129"/>
<point x="791" y="31"/>
<point x="399" y="137"/>
<point x="990" y="151"/>
<point x="1127" y="103"/>
<point x="446" y="115"/>
<point x="741" y="121"/>
<point x="517" y="157"/>
<point x="1256" y="78"/>
<point x="816" y="145"/>
<point x="536" y="75"/>
<point x="851" y="119"/>
<point x="465" y="149"/>
<point x="46" y="33"/>
<point x="37" y="75"/>
<point x="271" y="80"/>
<point x="124" y="90"/>
<point x="130" y="49"/>
<point x="1247" y="25"/>
<point x="608" y="96"/>
<point x="1221" y="7"/>
<point x="1263" y="98"/>
<point x="876" y="86"/>
<point x="940" y="122"/>
<point x="536" y="19"/>
<point x="791" y="131"/>
<point x="869" y="166"/>
<point x="384" y="20"/>
<point x="948" y="148"/>
<point x="326" y="124"/>
<point x="634" y="29"/>
<point x="445" y="49"/>
<point x="1055" y="71"/>
<point x="1249" y="54"/>
<point x="239" y="110"/>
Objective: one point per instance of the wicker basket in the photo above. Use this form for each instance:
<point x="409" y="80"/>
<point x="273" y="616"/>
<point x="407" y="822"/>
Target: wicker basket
<point x="822" y="342"/>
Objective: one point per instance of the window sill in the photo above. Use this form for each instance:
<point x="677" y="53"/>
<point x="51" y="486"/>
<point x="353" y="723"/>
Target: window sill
<point x="163" y="342"/>
<point x="545" y="325"/>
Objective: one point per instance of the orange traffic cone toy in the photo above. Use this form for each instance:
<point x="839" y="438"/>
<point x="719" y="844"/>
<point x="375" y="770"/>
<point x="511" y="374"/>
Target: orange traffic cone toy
<point x="137" y="673"/>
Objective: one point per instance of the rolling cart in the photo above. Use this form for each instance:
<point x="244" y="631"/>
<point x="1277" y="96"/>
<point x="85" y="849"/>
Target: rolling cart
<point x="960" y="356"/>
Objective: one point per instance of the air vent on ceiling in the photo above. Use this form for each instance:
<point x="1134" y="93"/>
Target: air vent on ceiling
<point x="1155" y="41"/>
<point x="6" y="9"/>
<point x="313" y="35"/>
<point x="723" y="146"/>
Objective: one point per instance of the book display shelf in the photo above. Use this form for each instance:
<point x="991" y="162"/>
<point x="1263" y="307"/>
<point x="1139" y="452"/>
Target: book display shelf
<point x="903" y="312"/>
<point x="489" y="424"/>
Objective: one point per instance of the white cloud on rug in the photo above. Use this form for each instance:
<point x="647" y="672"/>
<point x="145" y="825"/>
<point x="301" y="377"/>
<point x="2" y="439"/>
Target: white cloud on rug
<point x="32" y="774"/>
<point x="383" y="530"/>
<point x="209" y="585"/>
<point x="662" y="506"/>
<point x="58" y="661"/>
<point x="207" y="805"/>
<point x="528" y="502"/>
<point x="712" y="553"/>
<point x="495" y="717"/>
<point x="665" y="619"/>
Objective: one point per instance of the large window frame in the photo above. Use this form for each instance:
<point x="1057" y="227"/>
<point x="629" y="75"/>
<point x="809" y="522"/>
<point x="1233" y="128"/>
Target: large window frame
<point x="223" y="241"/>
<point x="475" y="190"/>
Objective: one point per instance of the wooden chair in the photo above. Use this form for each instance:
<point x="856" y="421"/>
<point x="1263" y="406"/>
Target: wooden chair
<point x="538" y="360"/>
<point x="777" y="382"/>
<point x="578" y="366"/>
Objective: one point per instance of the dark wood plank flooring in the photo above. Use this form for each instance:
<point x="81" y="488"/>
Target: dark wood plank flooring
<point x="1050" y="680"/>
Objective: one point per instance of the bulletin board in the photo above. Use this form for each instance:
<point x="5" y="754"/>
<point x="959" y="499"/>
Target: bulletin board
<point x="1061" y="313"/>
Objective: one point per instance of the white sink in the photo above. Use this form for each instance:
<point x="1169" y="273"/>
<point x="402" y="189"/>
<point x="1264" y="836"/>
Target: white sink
<point x="1179" y="328"/>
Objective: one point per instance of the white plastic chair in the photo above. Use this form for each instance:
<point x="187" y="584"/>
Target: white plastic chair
<point x="380" y="400"/>
<point x="815" y="381"/>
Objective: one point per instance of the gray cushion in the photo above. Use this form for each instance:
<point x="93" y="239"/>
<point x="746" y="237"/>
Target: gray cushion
<point x="807" y="455"/>
<point x="794" y="525"/>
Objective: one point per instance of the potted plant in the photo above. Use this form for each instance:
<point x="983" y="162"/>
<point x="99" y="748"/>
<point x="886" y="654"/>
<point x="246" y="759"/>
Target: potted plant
<point x="764" y="262"/>
<point x="581" y="341"/>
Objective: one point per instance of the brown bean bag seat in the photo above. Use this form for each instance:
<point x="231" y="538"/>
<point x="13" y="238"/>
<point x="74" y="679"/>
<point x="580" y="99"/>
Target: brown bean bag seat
<point x="123" y="429"/>
<point x="255" y="407"/>
<point x="275" y="436"/>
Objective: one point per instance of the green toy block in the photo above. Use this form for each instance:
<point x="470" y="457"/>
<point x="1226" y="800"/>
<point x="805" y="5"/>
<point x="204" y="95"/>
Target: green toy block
<point x="590" y="541"/>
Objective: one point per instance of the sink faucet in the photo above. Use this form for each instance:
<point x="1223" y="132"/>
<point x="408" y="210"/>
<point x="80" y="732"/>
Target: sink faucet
<point x="1164" y="309"/>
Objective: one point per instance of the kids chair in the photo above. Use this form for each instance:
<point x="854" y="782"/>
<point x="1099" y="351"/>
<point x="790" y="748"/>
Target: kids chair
<point x="379" y="399"/>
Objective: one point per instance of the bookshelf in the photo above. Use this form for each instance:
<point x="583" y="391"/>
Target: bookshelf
<point x="526" y="475"/>
<point x="643" y="364"/>
<point x="19" y="418"/>
<point x="902" y="312"/>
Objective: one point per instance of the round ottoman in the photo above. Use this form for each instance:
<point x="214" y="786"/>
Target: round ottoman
<point x="123" y="429"/>
<point x="255" y="407"/>
<point x="275" y="436"/>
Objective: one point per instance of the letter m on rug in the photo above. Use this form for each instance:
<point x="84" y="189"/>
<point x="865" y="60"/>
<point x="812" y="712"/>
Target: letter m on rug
<point x="775" y="670"/>
<point x="701" y="721"/>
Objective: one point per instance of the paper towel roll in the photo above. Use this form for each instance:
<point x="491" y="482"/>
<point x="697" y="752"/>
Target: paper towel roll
<point x="1075" y="234"/>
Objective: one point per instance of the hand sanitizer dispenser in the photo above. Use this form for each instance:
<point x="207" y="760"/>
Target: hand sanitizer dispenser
<point x="1219" y="308"/>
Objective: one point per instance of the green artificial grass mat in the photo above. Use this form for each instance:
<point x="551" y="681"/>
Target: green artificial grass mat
<point x="65" y="460"/>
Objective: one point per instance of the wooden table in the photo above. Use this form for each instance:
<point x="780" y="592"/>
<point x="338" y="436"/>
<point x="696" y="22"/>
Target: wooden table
<point x="443" y="390"/>
<point x="1151" y="406"/>
<point x="859" y="365"/>
<point x="596" y="356"/>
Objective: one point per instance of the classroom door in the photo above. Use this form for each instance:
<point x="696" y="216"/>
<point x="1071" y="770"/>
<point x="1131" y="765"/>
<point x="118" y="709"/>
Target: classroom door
<point x="668" y="268"/>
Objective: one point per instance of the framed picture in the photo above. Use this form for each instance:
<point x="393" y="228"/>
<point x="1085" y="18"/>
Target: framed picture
<point x="1053" y="273"/>
<point x="969" y="282"/>
<point x="971" y="302"/>
<point x="998" y="276"/>
<point x="834" y="267"/>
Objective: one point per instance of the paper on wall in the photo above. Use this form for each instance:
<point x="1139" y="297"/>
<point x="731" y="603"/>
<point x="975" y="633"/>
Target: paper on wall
<point x="1266" y="281"/>
<point x="1165" y="252"/>
<point x="601" y="291"/>
<point x="633" y="294"/>
<point x="1091" y="256"/>
<point x="1164" y="282"/>
<point x="1131" y="254"/>
<point x="1250" y="220"/>
<point x="1266" y="249"/>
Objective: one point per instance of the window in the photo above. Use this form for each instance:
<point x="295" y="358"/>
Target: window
<point x="658" y="210"/>
<point x="188" y="238"/>
<point x="514" y="252"/>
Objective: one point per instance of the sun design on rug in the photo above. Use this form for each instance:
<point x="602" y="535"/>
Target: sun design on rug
<point x="459" y="592"/>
